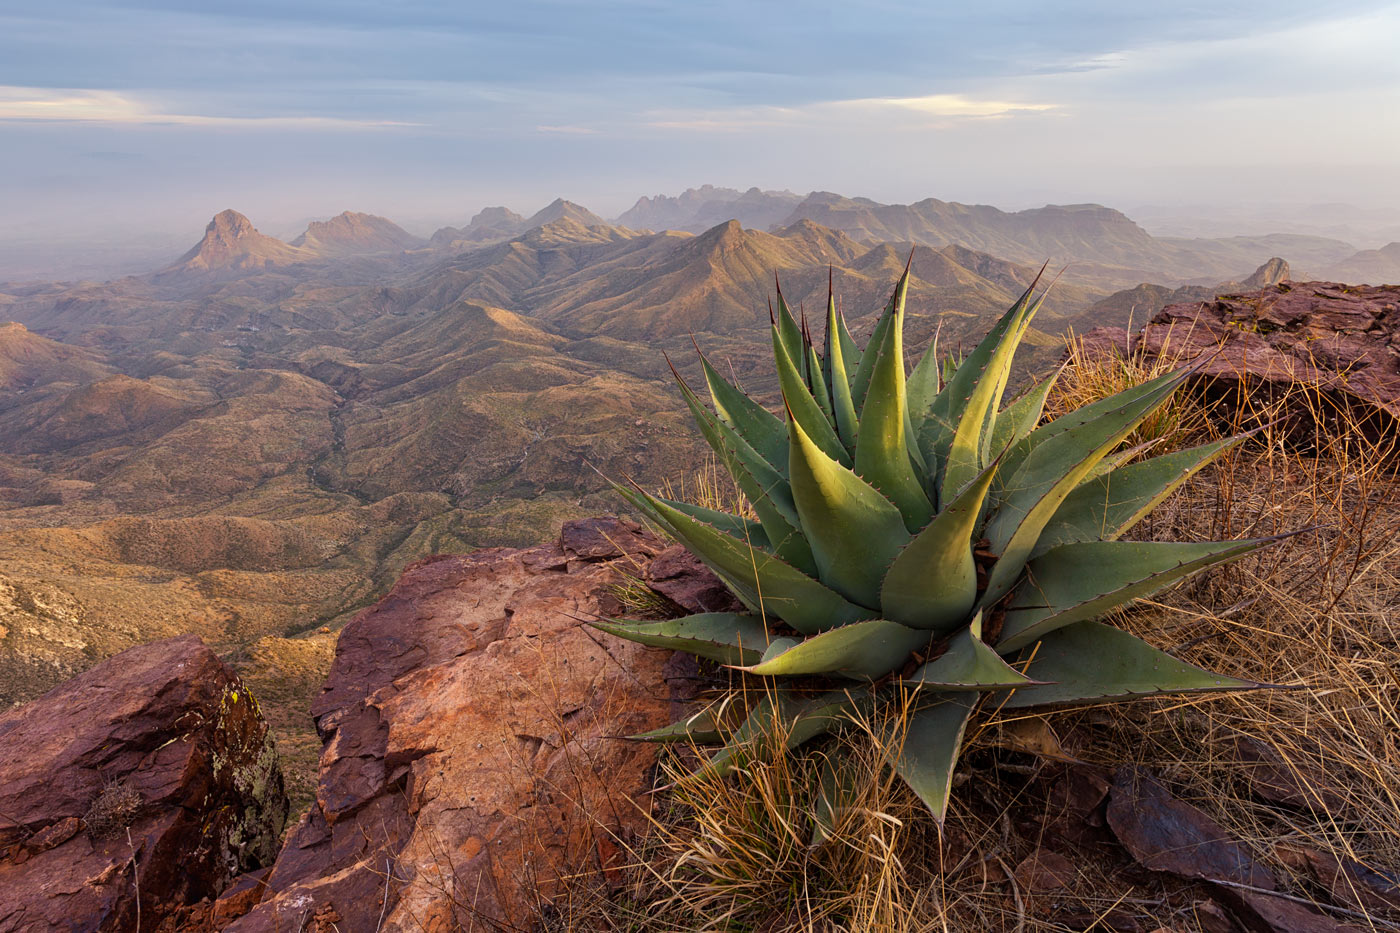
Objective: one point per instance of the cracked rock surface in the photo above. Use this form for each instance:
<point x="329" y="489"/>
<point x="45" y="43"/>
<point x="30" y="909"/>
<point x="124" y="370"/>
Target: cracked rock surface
<point x="138" y="789"/>
<point x="472" y="752"/>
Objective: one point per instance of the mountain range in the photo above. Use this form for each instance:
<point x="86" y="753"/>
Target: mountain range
<point x="253" y="441"/>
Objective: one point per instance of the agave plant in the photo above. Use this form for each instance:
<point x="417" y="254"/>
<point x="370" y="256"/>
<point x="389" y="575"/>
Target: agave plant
<point x="913" y="536"/>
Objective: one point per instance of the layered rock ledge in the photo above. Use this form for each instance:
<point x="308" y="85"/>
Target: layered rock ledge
<point x="131" y="795"/>
<point x="1341" y="339"/>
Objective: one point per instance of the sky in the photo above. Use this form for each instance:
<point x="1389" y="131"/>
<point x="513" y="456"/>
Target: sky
<point x="125" y="116"/>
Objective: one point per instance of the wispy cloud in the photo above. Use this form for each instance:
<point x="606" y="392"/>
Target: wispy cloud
<point x="567" y="130"/>
<point x="948" y="107"/>
<point x="82" y="105"/>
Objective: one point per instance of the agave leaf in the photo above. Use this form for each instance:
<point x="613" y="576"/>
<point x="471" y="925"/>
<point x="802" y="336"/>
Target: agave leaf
<point x="763" y="430"/>
<point x="1085" y="414"/>
<point x="1113" y="460"/>
<point x="948" y="368"/>
<point x="702" y="728"/>
<point x="1049" y="473"/>
<point x="930" y="750"/>
<point x="1107" y="506"/>
<point x="838" y="382"/>
<point x="946" y="409"/>
<point x="968" y="664"/>
<point x="850" y="352"/>
<point x="777" y="646"/>
<point x="853" y="531"/>
<point x="923" y="385"/>
<point x="1092" y="661"/>
<point x="862" y="650"/>
<point x="819" y="389"/>
<point x="975" y="394"/>
<point x="816" y="384"/>
<point x="735" y="525"/>
<point x="860" y="382"/>
<point x="764" y="583"/>
<point x="1023" y="325"/>
<point x="726" y="637"/>
<point x="932" y="584"/>
<point x="762" y="484"/>
<point x="882" y="450"/>
<point x="1021" y="416"/>
<point x="1074" y="582"/>
<point x="804" y="408"/>
<point x="780" y="712"/>
<point x="790" y="333"/>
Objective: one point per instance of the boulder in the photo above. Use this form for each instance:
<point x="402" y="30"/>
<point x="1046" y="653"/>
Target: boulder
<point x="133" y="792"/>
<point x="474" y="742"/>
<point x="1341" y="339"/>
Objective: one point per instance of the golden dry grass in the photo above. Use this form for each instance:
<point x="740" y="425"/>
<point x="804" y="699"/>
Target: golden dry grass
<point x="1317" y="613"/>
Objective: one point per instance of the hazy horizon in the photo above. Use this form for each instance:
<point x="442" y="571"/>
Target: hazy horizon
<point x="144" y="119"/>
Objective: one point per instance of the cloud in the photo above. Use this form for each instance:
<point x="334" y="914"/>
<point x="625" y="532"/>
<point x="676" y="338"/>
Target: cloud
<point x="567" y="130"/>
<point x="950" y="107"/>
<point x="83" y="105"/>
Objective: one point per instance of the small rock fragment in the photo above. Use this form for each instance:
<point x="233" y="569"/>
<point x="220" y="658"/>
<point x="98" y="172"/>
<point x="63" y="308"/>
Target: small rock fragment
<point x="1166" y="834"/>
<point x="679" y="575"/>
<point x="1044" y="870"/>
<point x="1294" y="783"/>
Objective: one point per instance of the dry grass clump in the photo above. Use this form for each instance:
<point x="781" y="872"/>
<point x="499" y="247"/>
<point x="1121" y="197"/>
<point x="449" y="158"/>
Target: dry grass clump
<point x="709" y="486"/>
<point x="1317" y="613"/>
<point x="113" y="810"/>
<point x="1088" y="377"/>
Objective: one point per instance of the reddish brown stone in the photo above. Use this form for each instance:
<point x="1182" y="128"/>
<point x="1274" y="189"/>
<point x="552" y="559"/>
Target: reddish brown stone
<point x="161" y="755"/>
<point x="1166" y="834"/>
<point x="1210" y="917"/>
<point x="607" y="538"/>
<point x="1267" y="913"/>
<point x="1105" y="343"/>
<point x="1349" y="881"/>
<point x="679" y="575"/>
<point x="1044" y="870"/>
<point x="57" y="834"/>
<point x="1344" y="340"/>
<point x="1295" y="782"/>
<point x="470" y="723"/>
<point x="241" y="896"/>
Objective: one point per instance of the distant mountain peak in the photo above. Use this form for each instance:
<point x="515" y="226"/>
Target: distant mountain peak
<point x="726" y="235"/>
<point x="229" y="225"/>
<point x="352" y="232"/>
<point x="232" y="243"/>
<point x="495" y="216"/>
<point x="1270" y="273"/>
<point x="560" y="209"/>
<point x="696" y="210"/>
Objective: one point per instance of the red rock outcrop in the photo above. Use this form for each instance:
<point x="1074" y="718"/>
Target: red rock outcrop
<point x="473" y="741"/>
<point x="1341" y="339"/>
<point x="133" y="792"/>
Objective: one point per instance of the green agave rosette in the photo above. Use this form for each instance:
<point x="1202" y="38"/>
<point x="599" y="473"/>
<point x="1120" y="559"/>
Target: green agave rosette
<point x="895" y="512"/>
